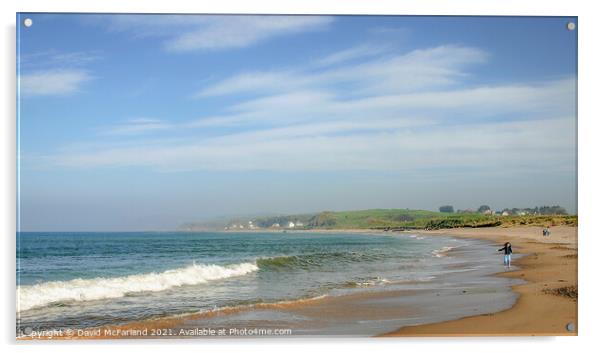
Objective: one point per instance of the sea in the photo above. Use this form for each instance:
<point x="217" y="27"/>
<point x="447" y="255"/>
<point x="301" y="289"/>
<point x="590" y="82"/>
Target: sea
<point x="96" y="279"/>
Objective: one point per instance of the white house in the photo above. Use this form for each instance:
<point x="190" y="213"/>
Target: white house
<point x="299" y="224"/>
<point x="291" y="225"/>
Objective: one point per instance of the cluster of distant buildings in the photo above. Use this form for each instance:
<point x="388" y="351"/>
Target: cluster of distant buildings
<point x="250" y="225"/>
<point x="496" y="213"/>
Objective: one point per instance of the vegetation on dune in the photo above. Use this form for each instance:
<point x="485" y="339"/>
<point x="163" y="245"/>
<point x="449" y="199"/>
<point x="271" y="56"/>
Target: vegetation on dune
<point x="480" y="220"/>
<point x="541" y="221"/>
<point x="463" y="221"/>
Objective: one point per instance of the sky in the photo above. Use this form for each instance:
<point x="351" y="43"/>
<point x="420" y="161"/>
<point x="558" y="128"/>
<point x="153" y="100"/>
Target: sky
<point x="145" y="122"/>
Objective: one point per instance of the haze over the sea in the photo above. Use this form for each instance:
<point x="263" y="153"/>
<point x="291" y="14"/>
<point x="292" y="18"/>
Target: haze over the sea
<point x="131" y="122"/>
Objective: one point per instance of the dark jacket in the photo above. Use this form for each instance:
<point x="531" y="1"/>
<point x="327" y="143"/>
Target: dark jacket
<point x="507" y="249"/>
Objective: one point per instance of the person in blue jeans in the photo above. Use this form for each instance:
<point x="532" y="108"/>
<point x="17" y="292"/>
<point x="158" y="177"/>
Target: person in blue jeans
<point x="507" y="254"/>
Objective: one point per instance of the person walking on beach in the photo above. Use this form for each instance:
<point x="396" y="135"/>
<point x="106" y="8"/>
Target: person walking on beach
<point x="507" y="254"/>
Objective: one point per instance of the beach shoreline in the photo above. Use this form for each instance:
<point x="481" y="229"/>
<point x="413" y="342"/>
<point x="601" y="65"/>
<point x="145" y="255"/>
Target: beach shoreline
<point x="536" y="311"/>
<point x="545" y="306"/>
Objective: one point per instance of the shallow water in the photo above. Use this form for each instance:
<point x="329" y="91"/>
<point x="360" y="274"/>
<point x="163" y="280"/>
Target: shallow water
<point x="69" y="280"/>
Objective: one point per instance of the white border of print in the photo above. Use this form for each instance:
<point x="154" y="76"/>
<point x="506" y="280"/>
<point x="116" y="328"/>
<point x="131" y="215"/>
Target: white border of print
<point x="589" y="166"/>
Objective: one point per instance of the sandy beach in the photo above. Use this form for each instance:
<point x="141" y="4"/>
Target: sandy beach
<point x="546" y="303"/>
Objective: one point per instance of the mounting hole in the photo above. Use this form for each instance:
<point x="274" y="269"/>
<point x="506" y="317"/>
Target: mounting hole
<point x="570" y="327"/>
<point x="27" y="22"/>
<point x="571" y="26"/>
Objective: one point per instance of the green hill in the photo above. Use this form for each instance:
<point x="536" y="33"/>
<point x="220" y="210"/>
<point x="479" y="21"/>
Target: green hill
<point x="408" y="219"/>
<point x="385" y="219"/>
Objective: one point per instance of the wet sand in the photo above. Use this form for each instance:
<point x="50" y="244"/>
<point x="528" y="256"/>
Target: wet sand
<point x="544" y="306"/>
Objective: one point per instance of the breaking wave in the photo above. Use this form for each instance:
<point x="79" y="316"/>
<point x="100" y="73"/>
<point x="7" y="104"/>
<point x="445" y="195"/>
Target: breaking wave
<point x="43" y="294"/>
<point x="310" y="261"/>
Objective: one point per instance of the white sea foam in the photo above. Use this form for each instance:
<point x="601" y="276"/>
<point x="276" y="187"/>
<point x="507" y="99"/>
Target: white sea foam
<point x="38" y="295"/>
<point x="442" y="252"/>
<point x="372" y="282"/>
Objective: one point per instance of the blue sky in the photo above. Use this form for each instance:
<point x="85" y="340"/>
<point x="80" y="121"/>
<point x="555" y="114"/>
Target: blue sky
<point x="139" y="122"/>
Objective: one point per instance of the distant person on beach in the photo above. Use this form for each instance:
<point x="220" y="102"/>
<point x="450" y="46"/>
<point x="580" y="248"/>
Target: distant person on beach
<point x="507" y="254"/>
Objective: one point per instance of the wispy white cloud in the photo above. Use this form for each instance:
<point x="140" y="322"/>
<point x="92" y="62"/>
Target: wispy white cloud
<point x="514" y="145"/>
<point x="258" y="82"/>
<point x="239" y="32"/>
<point x="54" y="73"/>
<point x="137" y="126"/>
<point x="53" y="82"/>
<point x="185" y="33"/>
<point x="461" y="103"/>
<point x="56" y="59"/>
<point x="418" y="69"/>
<point x="360" y="51"/>
<point x="387" y="112"/>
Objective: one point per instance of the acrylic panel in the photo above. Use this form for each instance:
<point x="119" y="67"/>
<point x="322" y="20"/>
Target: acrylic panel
<point x="219" y="176"/>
